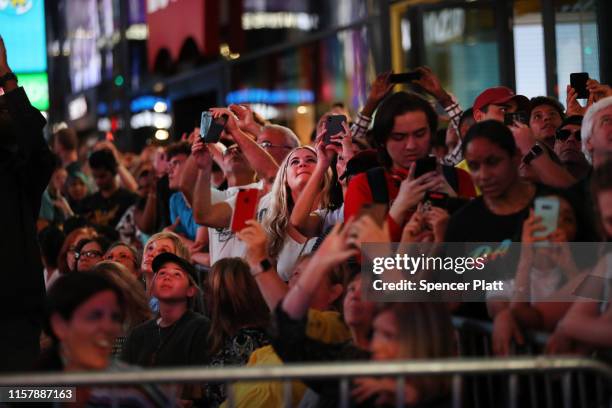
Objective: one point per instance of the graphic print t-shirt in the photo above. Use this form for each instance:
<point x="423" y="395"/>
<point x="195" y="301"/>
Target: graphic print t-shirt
<point x="107" y="212"/>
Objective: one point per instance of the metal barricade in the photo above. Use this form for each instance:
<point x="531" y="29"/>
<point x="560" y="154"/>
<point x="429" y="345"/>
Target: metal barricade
<point x="578" y="389"/>
<point x="512" y="368"/>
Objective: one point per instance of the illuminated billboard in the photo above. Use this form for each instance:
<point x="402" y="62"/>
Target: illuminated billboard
<point x="22" y="26"/>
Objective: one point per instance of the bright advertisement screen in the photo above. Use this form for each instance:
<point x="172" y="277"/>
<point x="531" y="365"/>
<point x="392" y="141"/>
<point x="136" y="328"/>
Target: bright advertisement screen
<point x="22" y="26"/>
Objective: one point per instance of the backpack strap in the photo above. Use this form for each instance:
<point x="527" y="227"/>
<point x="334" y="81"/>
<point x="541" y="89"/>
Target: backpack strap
<point x="450" y="174"/>
<point x="378" y="185"/>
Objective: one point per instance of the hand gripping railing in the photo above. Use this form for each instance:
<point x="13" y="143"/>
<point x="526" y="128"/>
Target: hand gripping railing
<point x="457" y="368"/>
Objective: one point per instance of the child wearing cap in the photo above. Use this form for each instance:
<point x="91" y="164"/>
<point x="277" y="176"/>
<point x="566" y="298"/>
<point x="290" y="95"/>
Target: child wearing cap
<point x="177" y="336"/>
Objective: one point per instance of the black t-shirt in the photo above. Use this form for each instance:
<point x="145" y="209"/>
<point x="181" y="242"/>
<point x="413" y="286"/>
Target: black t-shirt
<point x="184" y="343"/>
<point x="485" y="232"/>
<point x="107" y="212"/>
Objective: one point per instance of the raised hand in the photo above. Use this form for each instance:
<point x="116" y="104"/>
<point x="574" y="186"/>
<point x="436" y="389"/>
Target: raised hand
<point x="380" y="87"/>
<point x="431" y="83"/>
<point x="202" y="156"/>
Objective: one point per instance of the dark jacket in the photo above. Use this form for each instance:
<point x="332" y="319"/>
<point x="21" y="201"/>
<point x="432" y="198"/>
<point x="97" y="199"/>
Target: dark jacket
<point x="26" y="164"/>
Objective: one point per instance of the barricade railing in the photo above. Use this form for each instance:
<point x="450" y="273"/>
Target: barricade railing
<point x="564" y="368"/>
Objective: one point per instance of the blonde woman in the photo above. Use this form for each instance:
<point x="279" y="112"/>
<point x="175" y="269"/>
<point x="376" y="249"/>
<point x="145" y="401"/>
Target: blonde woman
<point x="136" y="305"/>
<point x="286" y="243"/>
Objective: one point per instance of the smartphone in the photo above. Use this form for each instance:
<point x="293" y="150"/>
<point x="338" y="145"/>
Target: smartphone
<point x="212" y="133"/>
<point x="578" y="81"/>
<point x="377" y="211"/>
<point x="436" y="199"/>
<point x="425" y="165"/>
<point x="548" y="209"/>
<point x="246" y="206"/>
<point x="520" y="116"/>
<point x="333" y="126"/>
<point x="205" y="122"/>
<point x="405" y="77"/>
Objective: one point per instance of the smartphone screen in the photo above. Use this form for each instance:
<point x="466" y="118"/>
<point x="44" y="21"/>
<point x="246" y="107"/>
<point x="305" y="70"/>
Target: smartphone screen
<point x="578" y="81"/>
<point x="246" y="206"/>
<point x="205" y="122"/>
<point x="405" y="77"/>
<point x="333" y="126"/>
<point x="510" y="118"/>
<point x="425" y="165"/>
<point x="548" y="209"/>
<point x="214" y="130"/>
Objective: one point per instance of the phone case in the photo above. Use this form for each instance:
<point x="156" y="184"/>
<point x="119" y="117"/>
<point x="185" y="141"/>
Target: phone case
<point x="578" y="81"/>
<point x="214" y="131"/>
<point x="425" y="165"/>
<point x="405" y="77"/>
<point x="334" y="126"/>
<point x="548" y="209"/>
<point x="246" y="206"/>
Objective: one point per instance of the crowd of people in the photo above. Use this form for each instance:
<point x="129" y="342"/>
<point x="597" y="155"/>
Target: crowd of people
<point x="142" y="264"/>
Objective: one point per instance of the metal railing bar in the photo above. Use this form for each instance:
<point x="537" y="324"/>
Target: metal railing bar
<point x="344" y="393"/>
<point x="317" y="371"/>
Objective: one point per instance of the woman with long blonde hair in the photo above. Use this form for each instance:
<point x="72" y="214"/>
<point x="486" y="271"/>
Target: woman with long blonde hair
<point x="286" y="243"/>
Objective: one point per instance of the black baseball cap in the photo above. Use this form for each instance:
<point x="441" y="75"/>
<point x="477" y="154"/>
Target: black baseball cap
<point x="163" y="258"/>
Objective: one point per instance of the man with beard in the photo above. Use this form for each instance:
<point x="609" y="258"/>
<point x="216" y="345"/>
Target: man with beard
<point x="568" y="147"/>
<point x="26" y="164"/>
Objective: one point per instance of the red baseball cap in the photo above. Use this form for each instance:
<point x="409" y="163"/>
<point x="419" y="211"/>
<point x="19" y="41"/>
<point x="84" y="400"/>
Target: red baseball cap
<point x="499" y="95"/>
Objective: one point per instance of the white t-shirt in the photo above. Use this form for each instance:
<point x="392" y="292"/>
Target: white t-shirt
<point x="222" y="242"/>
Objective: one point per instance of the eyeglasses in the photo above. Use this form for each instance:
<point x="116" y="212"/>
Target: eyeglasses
<point x="267" y="144"/>
<point x="563" y="134"/>
<point x="88" y="254"/>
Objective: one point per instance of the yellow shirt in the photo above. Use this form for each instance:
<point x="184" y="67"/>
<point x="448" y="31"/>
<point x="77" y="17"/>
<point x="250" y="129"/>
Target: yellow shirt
<point x="325" y="326"/>
<point x="463" y="166"/>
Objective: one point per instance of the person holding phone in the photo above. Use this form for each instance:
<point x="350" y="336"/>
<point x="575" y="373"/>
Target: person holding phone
<point x="587" y="326"/>
<point x="596" y="131"/>
<point x="544" y="273"/>
<point x="403" y="129"/>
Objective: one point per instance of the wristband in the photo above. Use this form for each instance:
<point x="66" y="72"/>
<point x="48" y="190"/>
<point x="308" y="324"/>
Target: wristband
<point x="7" y="77"/>
<point x="533" y="153"/>
<point x="264" y="265"/>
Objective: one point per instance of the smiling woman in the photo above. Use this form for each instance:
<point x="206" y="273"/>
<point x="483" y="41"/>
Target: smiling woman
<point x="83" y="316"/>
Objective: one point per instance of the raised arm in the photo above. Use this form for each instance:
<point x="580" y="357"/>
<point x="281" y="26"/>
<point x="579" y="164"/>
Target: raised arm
<point x="205" y="213"/>
<point x="302" y="218"/>
<point x="261" y="161"/>
<point x="271" y="286"/>
<point x="548" y="172"/>
<point x="333" y="251"/>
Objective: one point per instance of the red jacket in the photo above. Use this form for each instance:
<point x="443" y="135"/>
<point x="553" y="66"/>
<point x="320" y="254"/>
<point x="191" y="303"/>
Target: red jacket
<point x="359" y="193"/>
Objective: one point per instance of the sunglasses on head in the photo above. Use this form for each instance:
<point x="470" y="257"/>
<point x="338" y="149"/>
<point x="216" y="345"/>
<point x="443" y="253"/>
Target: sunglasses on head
<point x="563" y="134"/>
